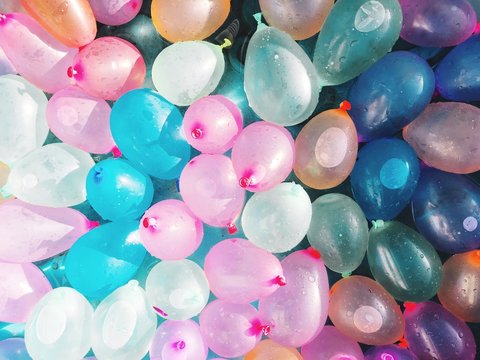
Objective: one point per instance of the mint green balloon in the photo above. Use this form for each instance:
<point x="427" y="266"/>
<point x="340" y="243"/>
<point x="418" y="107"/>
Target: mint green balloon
<point x="339" y="231"/>
<point x="355" y="35"/>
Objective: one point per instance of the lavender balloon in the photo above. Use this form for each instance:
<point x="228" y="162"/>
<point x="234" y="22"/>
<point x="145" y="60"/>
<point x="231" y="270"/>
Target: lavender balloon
<point x="13" y="349"/>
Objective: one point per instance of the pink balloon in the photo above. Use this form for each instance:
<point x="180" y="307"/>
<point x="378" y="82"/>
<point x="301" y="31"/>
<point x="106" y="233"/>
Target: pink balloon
<point x="212" y="124"/>
<point x="35" y="54"/>
<point x="80" y="120"/>
<point x="115" y="12"/>
<point x="108" y="67"/>
<point x="240" y="272"/>
<point x="297" y="312"/>
<point x="209" y="187"/>
<point x="32" y="233"/>
<point x="263" y="156"/>
<point x="170" y="231"/>
<point x="21" y="287"/>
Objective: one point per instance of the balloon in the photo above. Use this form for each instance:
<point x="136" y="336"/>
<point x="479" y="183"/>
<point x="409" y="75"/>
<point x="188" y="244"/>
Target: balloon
<point x="178" y="290"/>
<point x="115" y="12"/>
<point x="71" y="21"/>
<point x="33" y="233"/>
<point x="60" y="326"/>
<point x="390" y="94"/>
<point x="278" y="219"/>
<point x="187" y="71"/>
<point x="210" y="189"/>
<point x="437" y="23"/>
<point x="268" y="349"/>
<point x="297" y="312"/>
<point x="108" y="67"/>
<point x="53" y="175"/>
<point x="339" y="231"/>
<point x="212" y="124"/>
<point x="361" y="309"/>
<point x="300" y="20"/>
<point x="123" y="324"/>
<point x="118" y="191"/>
<point x="21" y="287"/>
<point x="440" y="334"/>
<point x="36" y="55"/>
<point x="199" y="20"/>
<point x="104" y="259"/>
<point x="355" y="35"/>
<point x="239" y="272"/>
<point x="384" y="178"/>
<point x="22" y="114"/>
<point x="178" y="340"/>
<point x="389" y="352"/>
<point x="6" y="66"/>
<point x="147" y="129"/>
<point x="442" y="137"/>
<point x="13" y="349"/>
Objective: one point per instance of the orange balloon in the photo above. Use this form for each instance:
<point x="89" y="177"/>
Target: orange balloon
<point x="70" y="21"/>
<point x="270" y="350"/>
<point x="184" y="20"/>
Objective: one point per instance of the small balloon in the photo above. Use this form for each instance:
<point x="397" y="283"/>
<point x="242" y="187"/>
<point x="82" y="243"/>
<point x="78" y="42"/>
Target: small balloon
<point x="268" y="349"/>
<point x="389" y="352"/>
<point x="13" y="349"/>
<point x="115" y="12"/>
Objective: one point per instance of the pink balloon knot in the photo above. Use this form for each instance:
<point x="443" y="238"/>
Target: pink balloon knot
<point x="245" y="182"/>
<point x="149" y="222"/>
<point x="71" y="72"/>
<point x="92" y="224"/>
<point x="259" y="328"/>
<point x="116" y="152"/>
<point x="314" y="253"/>
<point x="232" y="228"/>
<point x="280" y="280"/>
<point x="197" y="133"/>
<point x="409" y="306"/>
<point x="477" y="29"/>
<point x="345" y="105"/>
<point x="134" y="5"/>
<point x="179" y="345"/>
<point x="160" y="311"/>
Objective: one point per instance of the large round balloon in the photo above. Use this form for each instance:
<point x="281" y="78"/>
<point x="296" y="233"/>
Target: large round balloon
<point x="268" y="349"/>
<point x="115" y="12"/>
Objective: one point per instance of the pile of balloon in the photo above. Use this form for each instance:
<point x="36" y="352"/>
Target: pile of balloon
<point x="239" y="179"/>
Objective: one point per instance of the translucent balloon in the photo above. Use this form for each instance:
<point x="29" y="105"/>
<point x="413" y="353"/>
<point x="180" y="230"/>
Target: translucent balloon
<point x="147" y="129"/>
<point x="389" y="352"/>
<point x="6" y="67"/>
<point x="53" y="175"/>
<point x="212" y="124"/>
<point x="278" y="219"/>
<point x="326" y="149"/>
<point x="34" y="53"/>
<point x="199" y="19"/>
<point x="123" y="324"/>
<point x="361" y="309"/>
<point x="269" y="350"/>
<point x="178" y="340"/>
<point x="187" y="71"/>
<point x="297" y="312"/>
<point x="13" y="349"/>
<point x="115" y="12"/>
<point x="104" y="259"/>
<point x="209" y="187"/>
<point x="178" y="290"/>
<point x="80" y="120"/>
<point x="60" y="326"/>
<point x="108" y="67"/>
<point x="70" y="21"/>
<point x="442" y="137"/>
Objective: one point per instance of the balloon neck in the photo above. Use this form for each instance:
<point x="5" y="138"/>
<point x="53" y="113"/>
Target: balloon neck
<point x="92" y="224"/>
<point x="314" y="253"/>
<point x="403" y="343"/>
<point x="245" y="182"/>
<point x="377" y="224"/>
<point x="160" y="311"/>
<point x="258" y="19"/>
<point x="346" y="274"/>
<point x="258" y="328"/>
<point x="71" y="72"/>
<point x="345" y="105"/>
<point x="280" y="280"/>
<point x="98" y="174"/>
<point x="179" y="345"/>
<point x="197" y="133"/>
<point x="116" y="152"/>
<point x="149" y="222"/>
<point x="409" y="306"/>
<point x="232" y="228"/>
<point x="226" y="44"/>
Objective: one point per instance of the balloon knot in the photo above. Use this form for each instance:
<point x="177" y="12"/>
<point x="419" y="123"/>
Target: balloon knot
<point x="160" y="311"/>
<point x="314" y="253"/>
<point x="149" y="222"/>
<point x="179" y="345"/>
<point x="232" y="228"/>
<point x="226" y="44"/>
<point x="116" y="152"/>
<point x="409" y="306"/>
<point x="477" y="29"/>
<point x="377" y="224"/>
<point x="92" y="224"/>
<point x="134" y="5"/>
<point x="71" y="72"/>
<point x="280" y="280"/>
<point x="345" y="105"/>
<point x="245" y="182"/>
<point x="197" y="133"/>
<point x="346" y="274"/>
<point x="403" y="343"/>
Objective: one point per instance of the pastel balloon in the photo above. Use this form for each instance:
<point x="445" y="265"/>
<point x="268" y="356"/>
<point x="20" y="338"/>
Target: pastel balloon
<point x="178" y="290"/>
<point x="199" y="20"/>
<point x="384" y="178"/>
<point x="210" y="189"/>
<point x="23" y="121"/>
<point x="344" y="47"/>
<point x="72" y="21"/>
<point x="212" y="124"/>
<point x="362" y="309"/>
<point x="13" y="349"/>
<point x="441" y="334"/>
<point x="108" y="67"/>
<point x="278" y="219"/>
<point x="326" y="149"/>
<point x="104" y="259"/>
<point x="178" y="77"/>
<point x="433" y="23"/>
<point x="115" y="12"/>
<point x="304" y="298"/>
<point x="60" y="326"/>
<point x="147" y="129"/>
<point x="53" y="175"/>
<point x="123" y="324"/>
<point x="442" y="137"/>
<point x="6" y="66"/>
<point x="268" y="349"/>
<point x="339" y="231"/>
<point x="386" y="352"/>
<point x="178" y="340"/>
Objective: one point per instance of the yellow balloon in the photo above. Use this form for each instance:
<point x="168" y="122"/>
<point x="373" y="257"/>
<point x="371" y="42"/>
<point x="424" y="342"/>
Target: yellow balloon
<point x="270" y="350"/>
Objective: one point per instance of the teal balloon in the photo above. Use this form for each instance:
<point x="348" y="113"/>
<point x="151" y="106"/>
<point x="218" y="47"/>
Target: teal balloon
<point x="403" y="261"/>
<point x="104" y="259"/>
<point x="339" y="231"/>
<point x="355" y="35"/>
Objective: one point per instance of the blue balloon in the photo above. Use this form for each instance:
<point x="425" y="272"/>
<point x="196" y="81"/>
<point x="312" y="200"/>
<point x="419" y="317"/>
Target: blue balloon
<point x="104" y="259"/>
<point x="148" y="131"/>
<point x="13" y="349"/>
<point x="384" y="178"/>
<point x="118" y="191"/>
<point x="390" y="94"/>
<point x="446" y="210"/>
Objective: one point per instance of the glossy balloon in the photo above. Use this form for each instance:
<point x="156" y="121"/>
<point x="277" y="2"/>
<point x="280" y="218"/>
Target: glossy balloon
<point x="389" y="352"/>
<point x="13" y="349"/>
<point x="268" y="350"/>
<point x="115" y="12"/>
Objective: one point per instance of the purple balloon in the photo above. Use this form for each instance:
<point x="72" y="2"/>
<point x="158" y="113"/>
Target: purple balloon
<point x="389" y="352"/>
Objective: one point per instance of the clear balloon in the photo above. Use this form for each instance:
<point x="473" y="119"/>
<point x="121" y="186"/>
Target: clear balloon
<point x="13" y="349"/>
<point x="115" y="12"/>
<point x="389" y="352"/>
<point x="269" y="350"/>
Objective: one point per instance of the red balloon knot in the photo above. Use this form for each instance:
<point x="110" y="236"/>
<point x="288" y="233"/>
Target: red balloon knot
<point x="245" y="182"/>
<point x="116" y="152"/>
<point x="280" y="280"/>
<point x="314" y="253"/>
<point x="345" y="105"/>
<point x="409" y="306"/>
<point x="197" y="133"/>
<point x="477" y="29"/>
<point x="232" y="228"/>
<point x="266" y="329"/>
<point x="179" y="345"/>
<point x="71" y="72"/>
<point x="160" y="311"/>
<point x="403" y="343"/>
<point x="134" y="5"/>
<point x="93" y="224"/>
<point x="149" y="222"/>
